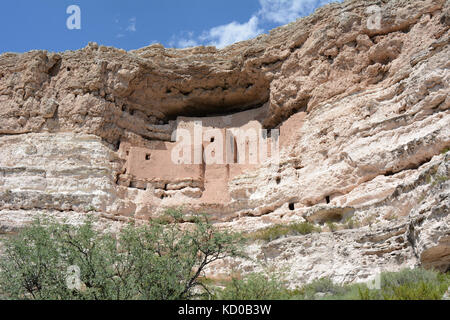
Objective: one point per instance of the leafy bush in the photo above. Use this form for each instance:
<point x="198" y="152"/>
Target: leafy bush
<point x="409" y="284"/>
<point x="254" y="287"/>
<point x="416" y="291"/>
<point x="323" y="285"/>
<point x="416" y="284"/>
<point x="165" y="261"/>
<point x="279" y="231"/>
<point x="412" y="284"/>
<point x="407" y="276"/>
<point x="142" y="262"/>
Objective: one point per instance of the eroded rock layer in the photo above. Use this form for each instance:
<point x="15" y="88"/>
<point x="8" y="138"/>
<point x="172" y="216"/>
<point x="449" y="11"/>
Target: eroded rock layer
<point x="364" y="124"/>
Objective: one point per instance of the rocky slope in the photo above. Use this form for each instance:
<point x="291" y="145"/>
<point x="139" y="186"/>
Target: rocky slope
<point x="370" y="152"/>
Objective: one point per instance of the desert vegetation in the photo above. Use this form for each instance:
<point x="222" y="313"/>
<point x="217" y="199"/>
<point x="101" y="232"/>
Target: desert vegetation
<point x="50" y="260"/>
<point x="166" y="260"/>
<point x="278" y="231"/>
<point x="407" y="284"/>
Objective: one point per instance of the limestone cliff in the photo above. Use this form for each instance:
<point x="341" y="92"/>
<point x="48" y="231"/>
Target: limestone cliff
<point x="365" y="134"/>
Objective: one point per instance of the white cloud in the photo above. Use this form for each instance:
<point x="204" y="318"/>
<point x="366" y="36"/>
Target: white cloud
<point x="285" y="11"/>
<point x="184" y="40"/>
<point x="132" y="26"/>
<point x="220" y="36"/>
<point x="122" y="30"/>
<point x="272" y="11"/>
<point x="187" y="43"/>
<point x="227" y="34"/>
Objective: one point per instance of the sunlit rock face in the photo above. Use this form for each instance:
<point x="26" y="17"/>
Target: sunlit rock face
<point x="358" y="105"/>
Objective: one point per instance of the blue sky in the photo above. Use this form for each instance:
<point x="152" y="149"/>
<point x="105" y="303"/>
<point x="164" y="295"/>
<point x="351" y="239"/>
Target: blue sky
<point x="41" y="24"/>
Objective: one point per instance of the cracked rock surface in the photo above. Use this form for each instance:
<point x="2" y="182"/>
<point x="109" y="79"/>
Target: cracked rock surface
<point x="370" y="153"/>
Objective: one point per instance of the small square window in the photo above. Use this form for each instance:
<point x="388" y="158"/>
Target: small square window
<point x="147" y="156"/>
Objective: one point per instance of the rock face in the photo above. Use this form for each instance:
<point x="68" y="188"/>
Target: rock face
<point x="362" y="111"/>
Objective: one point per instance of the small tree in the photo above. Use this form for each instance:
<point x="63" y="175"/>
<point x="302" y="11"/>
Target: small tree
<point x="153" y="262"/>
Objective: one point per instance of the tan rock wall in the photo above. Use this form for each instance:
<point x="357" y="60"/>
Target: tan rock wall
<point x="365" y="130"/>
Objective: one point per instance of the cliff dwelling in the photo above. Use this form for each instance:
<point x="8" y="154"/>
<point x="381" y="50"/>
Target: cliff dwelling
<point x="224" y="148"/>
<point x="362" y="116"/>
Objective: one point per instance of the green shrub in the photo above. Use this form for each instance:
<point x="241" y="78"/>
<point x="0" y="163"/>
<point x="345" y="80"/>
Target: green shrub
<point x="147" y="262"/>
<point x="416" y="284"/>
<point x="331" y="226"/>
<point x="303" y="228"/>
<point x="415" y="291"/>
<point x="254" y="287"/>
<point x="323" y="285"/>
<point x="407" y="276"/>
<point x="329" y="290"/>
<point x="413" y="284"/>
<point x="279" y="231"/>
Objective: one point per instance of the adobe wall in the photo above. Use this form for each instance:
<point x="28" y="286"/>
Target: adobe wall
<point x="157" y="165"/>
<point x="153" y="165"/>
